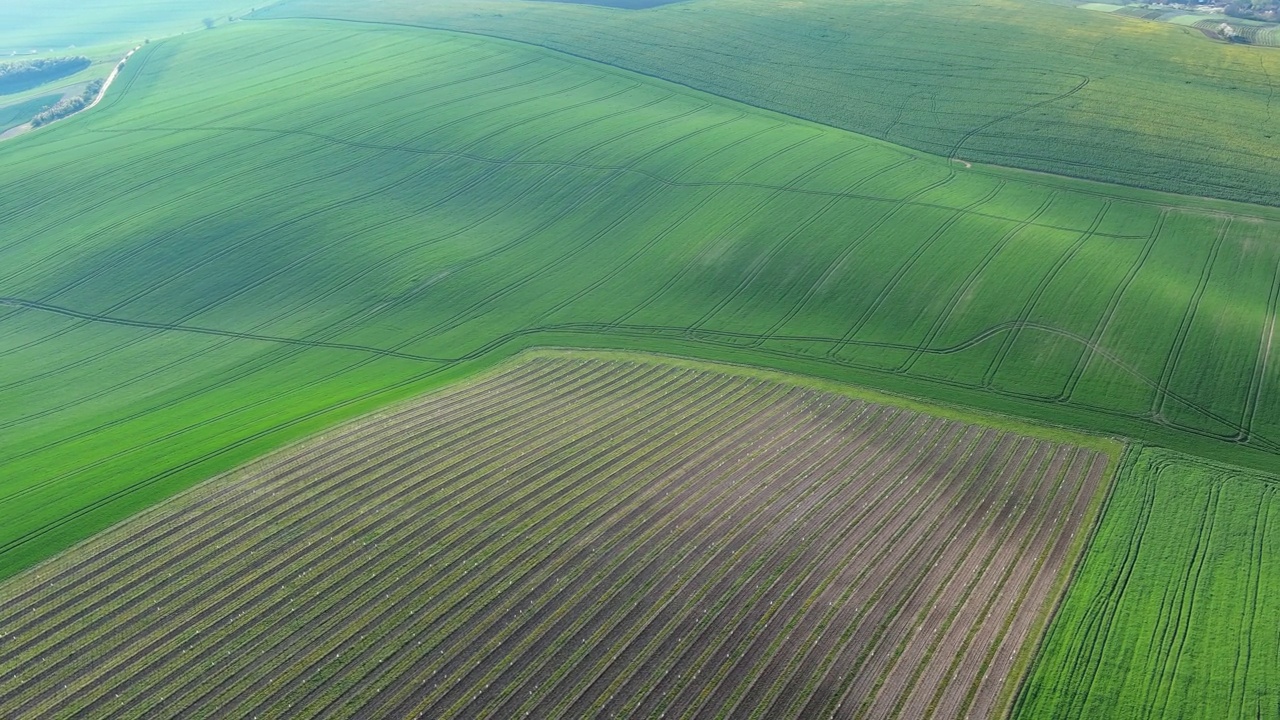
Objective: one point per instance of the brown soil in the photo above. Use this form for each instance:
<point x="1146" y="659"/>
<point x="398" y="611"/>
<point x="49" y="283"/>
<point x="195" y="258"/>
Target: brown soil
<point x="571" y="538"/>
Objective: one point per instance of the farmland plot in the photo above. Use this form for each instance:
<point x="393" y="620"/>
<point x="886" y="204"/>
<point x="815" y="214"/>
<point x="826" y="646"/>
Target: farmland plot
<point x="952" y="79"/>
<point x="253" y="238"/>
<point x="574" y="537"/>
<point x="1173" y="613"/>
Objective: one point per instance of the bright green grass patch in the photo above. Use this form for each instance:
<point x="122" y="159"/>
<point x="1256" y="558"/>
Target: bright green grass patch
<point x="1020" y="83"/>
<point x="1173" y="610"/>
<point x="279" y="225"/>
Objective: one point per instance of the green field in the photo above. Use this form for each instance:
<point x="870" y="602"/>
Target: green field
<point x="27" y="25"/>
<point x="255" y="252"/>
<point x="1174" y="611"/>
<point x="19" y="113"/>
<point x="1121" y="100"/>
<point x="280" y="224"/>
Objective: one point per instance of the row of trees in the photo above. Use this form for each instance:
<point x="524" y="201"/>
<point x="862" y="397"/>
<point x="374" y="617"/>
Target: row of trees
<point x="1268" y="10"/>
<point x="68" y="106"/>
<point x="26" y="74"/>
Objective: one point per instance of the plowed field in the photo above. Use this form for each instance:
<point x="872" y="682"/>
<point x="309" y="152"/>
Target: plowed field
<point x="573" y="537"/>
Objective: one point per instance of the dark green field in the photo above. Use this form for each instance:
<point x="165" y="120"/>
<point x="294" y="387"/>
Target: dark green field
<point x="276" y="225"/>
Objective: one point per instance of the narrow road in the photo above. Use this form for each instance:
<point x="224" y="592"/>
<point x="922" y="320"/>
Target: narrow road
<point x="110" y="79"/>
<point x="102" y="91"/>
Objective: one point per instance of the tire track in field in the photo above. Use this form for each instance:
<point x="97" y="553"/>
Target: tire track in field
<point x="687" y="266"/>
<point x="1104" y="322"/>
<point x="1258" y="379"/>
<point x="1249" y="610"/>
<point x="963" y="290"/>
<point x="835" y="264"/>
<point x="1041" y="287"/>
<point x="1187" y="596"/>
<point x="1099" y="621"/>
<point x="955" y="150"/>
<point x="909" y="264"/>
<point x="752" y="272"/>
<point x="643" y="249"/>
<point x="729" y="338"/>
<point x="429" y="373"/>
<point x="1188" y="317"/>
<point x="175" y="327"/>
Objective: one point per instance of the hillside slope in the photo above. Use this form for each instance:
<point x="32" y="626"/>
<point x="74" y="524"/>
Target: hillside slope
<point x="1022" y="83"/>
<point x="269" y="227"/>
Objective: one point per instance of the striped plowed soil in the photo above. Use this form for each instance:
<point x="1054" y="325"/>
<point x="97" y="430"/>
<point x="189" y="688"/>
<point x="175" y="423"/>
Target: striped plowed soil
<point x="363" y="517"/>
<point x="571" y="538"/>
<point x="299" y="516"/>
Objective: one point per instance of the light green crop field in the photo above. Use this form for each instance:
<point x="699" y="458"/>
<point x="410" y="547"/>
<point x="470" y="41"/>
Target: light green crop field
<point x="1023" y="83"/>
<point x="46" y="25"/>
<point x="272" y="226"/>
<point x="1173" y="613"/>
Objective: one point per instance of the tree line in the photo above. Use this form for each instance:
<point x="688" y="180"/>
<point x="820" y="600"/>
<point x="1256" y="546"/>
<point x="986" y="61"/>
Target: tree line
<point x="26" y="74"/>
<point x="68" y="106"/>
<point x="1268" y="10"/>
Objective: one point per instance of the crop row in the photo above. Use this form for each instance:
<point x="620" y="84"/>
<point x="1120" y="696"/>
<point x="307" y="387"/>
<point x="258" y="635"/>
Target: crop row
<point x="566" y="537"/>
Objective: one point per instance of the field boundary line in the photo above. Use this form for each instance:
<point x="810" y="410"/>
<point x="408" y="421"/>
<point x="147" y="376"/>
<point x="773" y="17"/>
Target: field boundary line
<point x="177" y="327"/>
